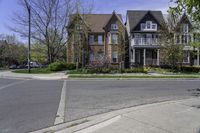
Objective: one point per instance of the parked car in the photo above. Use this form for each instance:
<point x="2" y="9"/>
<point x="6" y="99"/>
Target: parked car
<point x="13" y="67"/>
<point x="34" y="64"/>
<point x="21" y="66"/>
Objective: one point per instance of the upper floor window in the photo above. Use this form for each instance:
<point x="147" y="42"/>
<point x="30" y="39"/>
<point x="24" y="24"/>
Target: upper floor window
<point x="77" y="37"/>
<point x="143" y="26"/>
<point x="91" y="39"/>
<point x="148" y="26"/>
<point x="177" y="39"/>
<point x="78" y="27"/>
<point x="114" y="27"/>
<point x="185" y="28"/>
<point x="154" y="26"/>
<point x="114" y="38"/>
<point x="100" y="39"/>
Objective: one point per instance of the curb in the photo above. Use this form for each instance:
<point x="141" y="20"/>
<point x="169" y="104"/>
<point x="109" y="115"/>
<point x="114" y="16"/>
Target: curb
<point x="36" y="77"/>
<point x="89" y="124"/>
<point x="154" y="79"/>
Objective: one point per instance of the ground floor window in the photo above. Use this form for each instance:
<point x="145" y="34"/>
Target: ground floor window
<point x="115" y="56"/>
<point x="186" y="56"/>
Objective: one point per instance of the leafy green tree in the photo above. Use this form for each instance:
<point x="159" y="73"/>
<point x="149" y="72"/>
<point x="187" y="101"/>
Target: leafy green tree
<point x="192" y="7"/>
<point x="171" y="52"/>
<point x="38" y="53"/>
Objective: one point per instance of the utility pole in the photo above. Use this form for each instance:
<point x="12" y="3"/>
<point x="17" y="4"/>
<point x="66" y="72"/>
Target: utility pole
<point x="29" y="34"/>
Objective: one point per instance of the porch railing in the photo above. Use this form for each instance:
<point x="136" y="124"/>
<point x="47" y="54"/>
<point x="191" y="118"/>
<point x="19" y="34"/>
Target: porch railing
<point x="144" y="41"/>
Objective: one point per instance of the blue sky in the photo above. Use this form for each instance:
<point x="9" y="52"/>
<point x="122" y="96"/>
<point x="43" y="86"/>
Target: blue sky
<point x="8" y="7"/>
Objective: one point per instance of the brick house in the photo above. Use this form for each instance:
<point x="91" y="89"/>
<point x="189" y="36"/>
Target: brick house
<point x="96" y="38"/>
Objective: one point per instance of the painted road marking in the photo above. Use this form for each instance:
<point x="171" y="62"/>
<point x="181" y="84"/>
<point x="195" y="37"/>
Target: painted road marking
<point x="60" y="116"/>
<point x="12" y="84"/>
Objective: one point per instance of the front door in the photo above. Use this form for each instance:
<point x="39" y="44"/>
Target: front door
<point x="137" y="55"/>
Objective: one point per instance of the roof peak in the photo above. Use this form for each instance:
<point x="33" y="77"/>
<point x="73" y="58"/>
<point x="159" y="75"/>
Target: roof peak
<point x="144" y="11"/>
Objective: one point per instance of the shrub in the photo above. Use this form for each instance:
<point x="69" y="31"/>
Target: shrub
<point x="135" y="70"/>
<point x="188" y="69"/>
<point x="57" y="66"/>
<point x="70" y="66"/>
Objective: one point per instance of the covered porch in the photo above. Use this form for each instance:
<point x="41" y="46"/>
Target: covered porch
<point x="145" y="57"/>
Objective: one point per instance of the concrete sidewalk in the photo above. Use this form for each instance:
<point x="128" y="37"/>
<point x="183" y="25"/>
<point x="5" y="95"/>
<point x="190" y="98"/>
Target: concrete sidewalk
<point x="52" y="76"/>
<point x="182" y="116"/>
<point x="173" y="117"/>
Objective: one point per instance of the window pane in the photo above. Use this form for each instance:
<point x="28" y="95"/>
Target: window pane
<point x="143" y="26"/>
<point x="114" y="26"/>
<point x="148" y="24"/>
<point x="115" y="56"/>
<point x="91" y="39"/>
<point x="185" y="28"/>
<point x="100" y="39"/>
<point x="114" y="38"/>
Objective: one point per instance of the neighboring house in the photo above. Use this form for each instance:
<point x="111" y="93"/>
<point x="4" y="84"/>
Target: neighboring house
<point x="184" y="35"/>
<point x="96" y="38"/>
<point x="142" y="28"/>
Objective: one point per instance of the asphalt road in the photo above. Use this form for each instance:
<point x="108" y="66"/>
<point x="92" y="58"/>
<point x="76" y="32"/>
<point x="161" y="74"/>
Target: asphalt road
<point x="85" y="98"/>
<point x="28" y="105"/>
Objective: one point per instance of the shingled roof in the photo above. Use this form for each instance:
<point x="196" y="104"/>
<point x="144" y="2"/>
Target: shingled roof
<point x="135" y="16"/>
<point x="96" y="22"/>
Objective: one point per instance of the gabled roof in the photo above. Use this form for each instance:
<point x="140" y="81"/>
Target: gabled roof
<point x="135" y="16"/>
<point x="96" y="22"/>
<point x="185" y="17"/>
<point x="118" y="16"/>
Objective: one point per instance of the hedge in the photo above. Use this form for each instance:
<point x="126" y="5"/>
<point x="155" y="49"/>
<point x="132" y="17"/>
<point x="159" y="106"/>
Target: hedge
<point x="60" y="66"/>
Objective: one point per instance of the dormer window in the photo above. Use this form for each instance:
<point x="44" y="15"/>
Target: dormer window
<point x="148" y="26"/>
<point x="154" y="26"/>
<point x="78" y="27"/>
<point x="114" y="27"/>
<point x="185" y="28"/>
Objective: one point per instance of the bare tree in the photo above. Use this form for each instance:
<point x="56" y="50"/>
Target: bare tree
<point x="48" y="23"/>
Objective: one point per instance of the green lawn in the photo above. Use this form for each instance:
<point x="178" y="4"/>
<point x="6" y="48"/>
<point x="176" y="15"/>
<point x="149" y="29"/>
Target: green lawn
<point x="133" y="76"/>
<point x="34" y="71"/>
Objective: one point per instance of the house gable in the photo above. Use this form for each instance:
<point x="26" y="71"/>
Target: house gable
<point x="114" y="19"/>
<point x="134" y="18"/>
<point x="148" y="17"/>
<point x="183" y="20"/>
<point x="77" y="19"/>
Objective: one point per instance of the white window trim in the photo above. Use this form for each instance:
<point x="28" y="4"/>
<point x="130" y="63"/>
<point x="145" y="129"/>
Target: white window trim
<point x="188" y="57"/>
<point x="100" y="42"/>
<point x="115" y="55"/>
<point x="187" y="28"/>
<point x="117" y="41"/>
<point x="78" y="27"/>
<point x="151" y="25"/>
<point x="91" y="41"/>
<point x="114" y="27"/>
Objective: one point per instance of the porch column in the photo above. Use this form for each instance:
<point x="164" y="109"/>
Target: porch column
<point x="198" y="57"/>
<point x="144" y="56"/>
<point x="158" y="57"/>
<point x="133" y="55"/>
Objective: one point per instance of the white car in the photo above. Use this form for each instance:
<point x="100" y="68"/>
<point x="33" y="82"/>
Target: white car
<point x="34" y="64"/>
